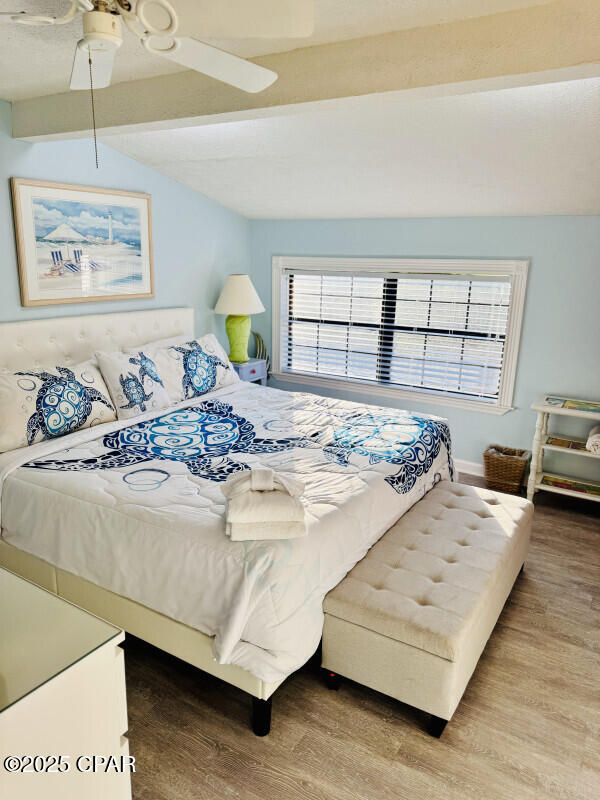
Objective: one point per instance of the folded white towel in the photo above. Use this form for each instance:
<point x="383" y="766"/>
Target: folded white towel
<point x="275" y="506"/>
<point x="263" y="505"/>
<point x="240" y="532"/>
<point x="593" y="440"/>
<point x="262" y="480"/>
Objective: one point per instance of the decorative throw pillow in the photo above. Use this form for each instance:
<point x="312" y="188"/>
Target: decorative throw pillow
<point x="38" y="404"/>
<point x="133" y="381"/>
<point x="193" y="367"/>
<point x="151" y="348"/>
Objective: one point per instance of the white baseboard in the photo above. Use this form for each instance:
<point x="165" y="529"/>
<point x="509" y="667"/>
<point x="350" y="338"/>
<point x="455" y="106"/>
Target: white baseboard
<point x="470" y="467"/>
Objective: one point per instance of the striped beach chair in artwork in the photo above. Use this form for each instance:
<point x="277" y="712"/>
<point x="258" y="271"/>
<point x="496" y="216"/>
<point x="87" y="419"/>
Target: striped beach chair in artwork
<point x="73" y="264"/>
<point x="93" y="265"/>
<point x="85" y="262"/>
<point x="57" y="262"/>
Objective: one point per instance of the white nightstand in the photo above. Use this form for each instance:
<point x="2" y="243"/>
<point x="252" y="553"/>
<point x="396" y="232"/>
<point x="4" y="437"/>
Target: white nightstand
<point x="62" y="693"/>
<point x="254" y="370"/>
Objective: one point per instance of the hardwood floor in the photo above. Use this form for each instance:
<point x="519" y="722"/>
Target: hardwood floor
<point x="528" y="725"/>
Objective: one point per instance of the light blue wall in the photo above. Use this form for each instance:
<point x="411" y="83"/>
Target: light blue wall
<point x="197" y="242"/>
<point x="560" y="342"/>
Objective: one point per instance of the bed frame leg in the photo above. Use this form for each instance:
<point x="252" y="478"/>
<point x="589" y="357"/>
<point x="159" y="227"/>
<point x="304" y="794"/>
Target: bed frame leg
<point x="436" y="726"/>
<point x="332" y="679"/>
<point x="261" y="716"/>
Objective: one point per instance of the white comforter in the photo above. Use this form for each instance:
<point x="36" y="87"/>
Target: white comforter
<point x="138" y="509"/>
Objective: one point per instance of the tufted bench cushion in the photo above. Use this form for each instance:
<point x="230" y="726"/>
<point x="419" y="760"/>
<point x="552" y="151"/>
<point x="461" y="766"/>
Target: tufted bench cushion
<point x="436" y="581"/>
<point x="426" y="580"/>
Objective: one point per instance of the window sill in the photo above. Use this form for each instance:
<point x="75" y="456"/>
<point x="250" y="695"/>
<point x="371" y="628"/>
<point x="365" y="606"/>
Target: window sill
<point x="377" y="390"/>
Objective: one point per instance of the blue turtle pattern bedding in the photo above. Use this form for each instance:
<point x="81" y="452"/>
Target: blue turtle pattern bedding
<point x="38" y="403"/>
<point x="146" y="511"/>
<point x="189" y="368"/>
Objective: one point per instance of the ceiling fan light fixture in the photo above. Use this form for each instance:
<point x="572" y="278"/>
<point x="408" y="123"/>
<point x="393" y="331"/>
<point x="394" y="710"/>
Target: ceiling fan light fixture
<point x="101" y="38"/>
<point x="102" y="31"/>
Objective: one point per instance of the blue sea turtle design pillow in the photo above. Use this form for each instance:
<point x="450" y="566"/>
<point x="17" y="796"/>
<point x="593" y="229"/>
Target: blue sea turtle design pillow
<point x="192" y="367"/>
<point x="133" y="381"/>
<point x="38" y="403"/>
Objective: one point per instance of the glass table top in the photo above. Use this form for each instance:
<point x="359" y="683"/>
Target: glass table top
<point x="40" y="636"/>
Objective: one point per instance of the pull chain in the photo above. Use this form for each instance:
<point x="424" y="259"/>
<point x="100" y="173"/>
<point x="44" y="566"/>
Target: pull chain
<point x="93" y="108"/>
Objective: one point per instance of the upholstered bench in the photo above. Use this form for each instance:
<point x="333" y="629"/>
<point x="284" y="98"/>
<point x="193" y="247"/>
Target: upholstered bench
<point x="412" y="618"/>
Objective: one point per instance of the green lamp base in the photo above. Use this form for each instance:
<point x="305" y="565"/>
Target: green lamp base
<point x="238" y="333"/>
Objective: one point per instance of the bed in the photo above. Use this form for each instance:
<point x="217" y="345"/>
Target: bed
<point x="126" y="518"/>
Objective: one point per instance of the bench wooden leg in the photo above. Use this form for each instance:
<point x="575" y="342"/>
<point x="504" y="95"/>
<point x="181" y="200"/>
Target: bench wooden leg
<point x="261" y="716"/>
<point x="436" y="726"/>
<point x="332" y="679"/>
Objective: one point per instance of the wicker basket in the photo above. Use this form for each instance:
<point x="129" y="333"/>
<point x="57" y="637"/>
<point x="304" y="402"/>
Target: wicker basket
<point x="504" y="468"/>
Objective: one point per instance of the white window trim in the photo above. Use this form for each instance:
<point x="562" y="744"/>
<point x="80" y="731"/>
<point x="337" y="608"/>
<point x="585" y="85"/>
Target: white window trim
<point x="515" y="270"/>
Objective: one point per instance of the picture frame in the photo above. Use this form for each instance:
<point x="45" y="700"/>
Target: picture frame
<point x="81" y="244"/>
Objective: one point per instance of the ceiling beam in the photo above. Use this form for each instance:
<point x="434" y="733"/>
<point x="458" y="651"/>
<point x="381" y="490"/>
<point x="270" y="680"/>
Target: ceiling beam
<point x="554" y="41"/>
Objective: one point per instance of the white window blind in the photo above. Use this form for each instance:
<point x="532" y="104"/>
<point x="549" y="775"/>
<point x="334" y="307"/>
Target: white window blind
<point x="430" y="332"/>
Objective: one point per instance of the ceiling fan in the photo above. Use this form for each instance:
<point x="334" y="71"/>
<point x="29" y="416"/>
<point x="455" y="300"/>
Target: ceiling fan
<point x="172" y="29"/>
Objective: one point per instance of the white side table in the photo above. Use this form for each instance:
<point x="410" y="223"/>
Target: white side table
<point x="62" y="693"/>
<point x="543" y="441"/>
<point x="254" y="370"/>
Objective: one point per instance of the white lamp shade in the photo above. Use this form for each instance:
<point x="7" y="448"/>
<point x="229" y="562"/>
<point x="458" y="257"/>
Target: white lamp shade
<point x="239" y="297"/>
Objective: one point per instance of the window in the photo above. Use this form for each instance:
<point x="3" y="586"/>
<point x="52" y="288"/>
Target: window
<point x="444" y="330"/>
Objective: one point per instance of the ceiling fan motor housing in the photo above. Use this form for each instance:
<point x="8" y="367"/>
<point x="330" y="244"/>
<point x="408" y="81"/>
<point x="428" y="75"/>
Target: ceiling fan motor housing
<point x="101" y="31"/>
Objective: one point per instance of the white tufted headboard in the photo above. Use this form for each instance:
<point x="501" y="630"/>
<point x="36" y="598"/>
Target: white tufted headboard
<point x="70" y="340"/>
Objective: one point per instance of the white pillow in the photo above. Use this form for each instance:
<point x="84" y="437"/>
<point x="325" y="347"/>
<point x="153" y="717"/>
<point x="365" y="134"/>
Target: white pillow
<point x="158" y="344"/>
<point x="192" y="367"/>
<point x="38" y="404"/>
<point x="133" y="382"/>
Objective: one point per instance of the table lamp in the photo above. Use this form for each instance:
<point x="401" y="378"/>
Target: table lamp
<point x="238" y="299"/>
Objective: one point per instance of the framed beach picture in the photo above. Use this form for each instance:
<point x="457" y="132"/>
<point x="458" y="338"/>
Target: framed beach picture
<point x="78" y="244"/>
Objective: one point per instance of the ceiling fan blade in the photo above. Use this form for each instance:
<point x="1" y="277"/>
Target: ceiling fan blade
<point x="234" y="19"/>
<point x="217" y="64"/>
<point x="23" y="18"/>
<point x="102" y="67"/>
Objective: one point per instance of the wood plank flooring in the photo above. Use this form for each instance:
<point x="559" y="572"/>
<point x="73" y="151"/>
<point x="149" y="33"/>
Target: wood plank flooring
<point x="528" y="725"/>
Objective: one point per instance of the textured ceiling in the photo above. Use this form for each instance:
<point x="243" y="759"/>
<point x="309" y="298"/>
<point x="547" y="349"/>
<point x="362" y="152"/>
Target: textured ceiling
<point x="529" y="150"/>
<point x="37" y="60"/>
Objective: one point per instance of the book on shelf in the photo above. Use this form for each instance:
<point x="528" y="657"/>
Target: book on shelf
<point x="573" y="405"/>
<point x="563" y="441"/>
<point x="571" y="484"/>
